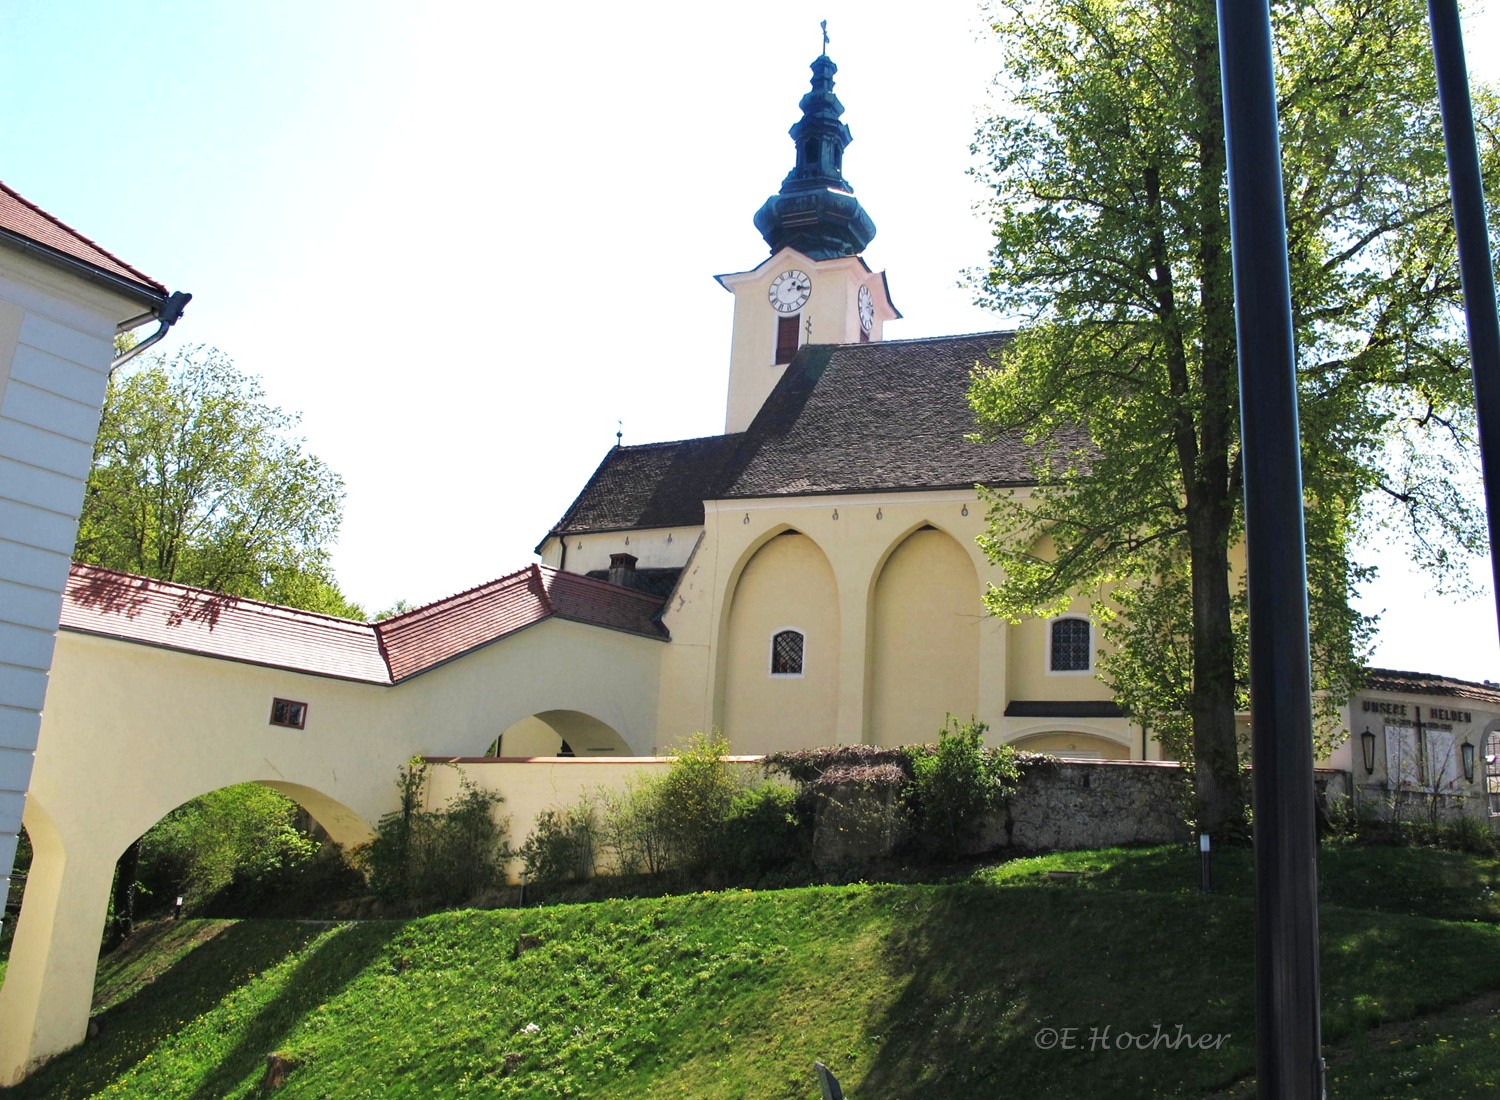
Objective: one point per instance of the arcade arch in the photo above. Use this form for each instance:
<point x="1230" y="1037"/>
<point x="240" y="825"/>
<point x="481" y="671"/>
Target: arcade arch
<point x="1072" y="743"/>
<point x="560" y="733"/>
<point x="787" y="584"/>
<point x="924" y="639"/>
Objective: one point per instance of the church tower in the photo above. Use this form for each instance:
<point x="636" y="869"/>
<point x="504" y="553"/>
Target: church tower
<point x="815" y="287"/>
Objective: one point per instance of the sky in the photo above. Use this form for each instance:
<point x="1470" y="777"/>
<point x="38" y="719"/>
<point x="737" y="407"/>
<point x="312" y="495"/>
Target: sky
<point x="469" y="242"/>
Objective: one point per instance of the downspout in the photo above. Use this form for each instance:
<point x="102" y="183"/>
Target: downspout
<point x="167" y="316"/>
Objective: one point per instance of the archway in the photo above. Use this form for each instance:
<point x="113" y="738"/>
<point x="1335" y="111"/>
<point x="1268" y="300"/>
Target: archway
<point x="924" y="639"/>
<point x="1068" y="743"/>
<point x="786" y="590"/>
<point x="559" y="733"/>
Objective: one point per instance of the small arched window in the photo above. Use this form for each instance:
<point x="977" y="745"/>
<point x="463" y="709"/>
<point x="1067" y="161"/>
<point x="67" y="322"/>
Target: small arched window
<point x="1070" y="645"/>
<point x="786" y="653"/>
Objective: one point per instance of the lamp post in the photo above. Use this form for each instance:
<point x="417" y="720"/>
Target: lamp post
<point x="1466" y="752"/>
<point x="1367" y="744"/>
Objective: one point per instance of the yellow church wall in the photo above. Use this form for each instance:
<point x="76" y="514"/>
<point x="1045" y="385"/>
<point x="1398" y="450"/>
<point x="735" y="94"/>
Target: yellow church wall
<point x="787" y="585"/>
<point x="925" y="640"/>
<point x="857" y="534"/>
<point x="1081" y="745"/>
<point x="656" y="548"/>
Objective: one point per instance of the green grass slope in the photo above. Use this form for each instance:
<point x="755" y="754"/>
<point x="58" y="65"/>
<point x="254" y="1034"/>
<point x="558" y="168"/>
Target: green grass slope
<point x="968" y="988"/>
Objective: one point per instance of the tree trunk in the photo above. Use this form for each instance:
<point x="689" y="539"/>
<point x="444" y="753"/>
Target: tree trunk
<point x="127" y="869"/>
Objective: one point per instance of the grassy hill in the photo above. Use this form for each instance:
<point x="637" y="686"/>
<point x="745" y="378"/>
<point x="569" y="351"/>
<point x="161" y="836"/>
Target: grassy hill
<point x="964" y="988"/>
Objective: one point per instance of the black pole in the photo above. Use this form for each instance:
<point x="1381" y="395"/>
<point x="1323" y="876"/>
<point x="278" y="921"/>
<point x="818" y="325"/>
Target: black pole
<point x="1473" y="251"/>
<point x="1289" y="1065"/>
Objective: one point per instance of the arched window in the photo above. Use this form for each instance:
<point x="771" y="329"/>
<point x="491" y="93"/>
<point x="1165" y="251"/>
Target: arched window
<point x="786" y="653"/>
<point x="1070" y="645"/>
<point x="1492" y="772"/>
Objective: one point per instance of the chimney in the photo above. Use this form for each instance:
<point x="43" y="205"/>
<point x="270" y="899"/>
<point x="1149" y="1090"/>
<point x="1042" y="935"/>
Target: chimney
<point x="621" y="569"/>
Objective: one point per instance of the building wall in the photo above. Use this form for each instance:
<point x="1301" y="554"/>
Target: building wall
<point x="656" y="548"/>
<point x="787" y="585"/>
<point x="925" y="640"/>
<point x="860" y="536"/>
<point x="56" y="343"/>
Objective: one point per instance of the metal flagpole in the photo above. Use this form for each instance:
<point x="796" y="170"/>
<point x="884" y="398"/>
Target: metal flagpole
<point x="1289" y="1065"/>
<point x="1473" y="251"/>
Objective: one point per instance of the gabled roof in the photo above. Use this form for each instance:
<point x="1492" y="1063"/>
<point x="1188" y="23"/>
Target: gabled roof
<point x="1428" y="683"/>
<point x="194" y="620"/>
<point x="26" y="220"/>
<point x="843" y="418"/>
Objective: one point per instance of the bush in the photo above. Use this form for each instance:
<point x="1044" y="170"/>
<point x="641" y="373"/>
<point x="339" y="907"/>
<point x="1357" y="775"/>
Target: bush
<point x="563" y="845"/>
<point x="955" y="786"/>
<point x="763" y="830"/>
<point x="439" y="856"/>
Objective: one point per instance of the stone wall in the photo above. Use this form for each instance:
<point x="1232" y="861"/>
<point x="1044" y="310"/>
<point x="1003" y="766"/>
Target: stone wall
<point x="1094" y="804"/>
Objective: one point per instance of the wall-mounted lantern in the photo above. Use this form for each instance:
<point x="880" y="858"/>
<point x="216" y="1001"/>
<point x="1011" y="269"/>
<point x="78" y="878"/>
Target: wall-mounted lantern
<point x="1466" y="751"/>
<point x="1367" y="743"/>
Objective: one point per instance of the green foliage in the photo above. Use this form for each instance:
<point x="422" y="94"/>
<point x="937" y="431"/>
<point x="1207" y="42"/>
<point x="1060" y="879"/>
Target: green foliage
<point x="440" y="857"/>
<point x="1111" y="238"/>
<point x="564" y="844"/>
<point x="937" y="990"/>
<point x="956" y="786"/>
<point x="695" y="797"/>
<point x="197" y="479"/>
<point x="246" y="833"/>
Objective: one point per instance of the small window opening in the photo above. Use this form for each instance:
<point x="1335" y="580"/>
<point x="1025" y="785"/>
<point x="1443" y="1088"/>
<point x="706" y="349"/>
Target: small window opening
<point x="1070" y="645"/>
<point x="788" y="329"/>
<point x="289" y="713"/>
<point x="786" y="653"/>
<point x="810" y="153"/>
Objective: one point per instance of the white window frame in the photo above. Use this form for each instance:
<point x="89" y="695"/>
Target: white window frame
<point x="771" y="653"/>
<point x="1051" y="624"/>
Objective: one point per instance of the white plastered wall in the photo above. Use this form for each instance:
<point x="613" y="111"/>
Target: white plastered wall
<point x="56" y="344"/>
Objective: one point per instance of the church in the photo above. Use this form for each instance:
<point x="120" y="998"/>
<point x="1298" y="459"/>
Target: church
<point x="818" y="560"/>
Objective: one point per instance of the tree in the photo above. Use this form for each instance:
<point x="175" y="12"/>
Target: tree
<point x="1111" y="237"/>
<point x="197" y="479"/>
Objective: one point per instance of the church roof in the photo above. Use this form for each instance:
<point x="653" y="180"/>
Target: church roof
<point x="890" y="416"/>
<point x="19" y="218"/>
<point x="195" y="620"/>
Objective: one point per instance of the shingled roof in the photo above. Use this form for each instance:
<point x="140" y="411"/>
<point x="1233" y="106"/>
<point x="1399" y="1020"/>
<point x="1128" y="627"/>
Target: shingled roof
<point x="845" y="418"/>
<point x="20" y="218"/>
<point x="194" y="620"/>
<point x="1428" y="683"/>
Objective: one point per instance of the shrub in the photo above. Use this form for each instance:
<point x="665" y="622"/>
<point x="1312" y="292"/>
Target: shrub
<point x="695" y="799"/>
<point x="442" y="856"/>
<point x="763" y="830"/>
<point x="563" y="845"/>
<point x="955" y="786"/>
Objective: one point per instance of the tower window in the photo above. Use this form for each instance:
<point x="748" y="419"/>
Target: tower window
<point x="1069" y="648"/>
<point x="786" y="653"/>
<point x="788" y="329"/>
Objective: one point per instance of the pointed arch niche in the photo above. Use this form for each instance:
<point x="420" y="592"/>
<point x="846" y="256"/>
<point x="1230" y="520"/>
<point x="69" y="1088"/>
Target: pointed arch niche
<point x="924" y="640"/>
<point x="787" y="586"/>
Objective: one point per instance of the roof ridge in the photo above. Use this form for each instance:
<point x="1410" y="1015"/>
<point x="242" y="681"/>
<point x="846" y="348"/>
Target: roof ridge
<point x="1482" y="684"/>
<point x="65" y="227"/>
<point x="459" y="595"/>
<point x="79" y="568"/>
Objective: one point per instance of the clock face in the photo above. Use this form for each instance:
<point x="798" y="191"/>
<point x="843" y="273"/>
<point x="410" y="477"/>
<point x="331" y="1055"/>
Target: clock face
<point x="790" y="291"/>
<point x="866" y="309"/>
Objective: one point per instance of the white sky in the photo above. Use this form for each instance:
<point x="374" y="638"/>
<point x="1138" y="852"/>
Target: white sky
<point x="465" y="239"/>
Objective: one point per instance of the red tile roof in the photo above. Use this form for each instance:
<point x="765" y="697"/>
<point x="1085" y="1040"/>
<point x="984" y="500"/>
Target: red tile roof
<point x="194" y="620"/>
<point x="439" y="632"/>
<point x="1428" y="683"/>
<point x="28" y="220"/>
<point x="138" y="609"/>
